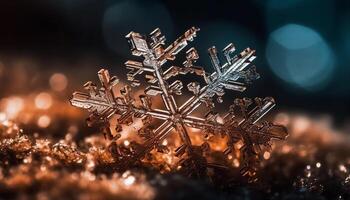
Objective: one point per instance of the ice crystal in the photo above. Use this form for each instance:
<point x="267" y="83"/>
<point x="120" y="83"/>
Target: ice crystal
<point x="238" y="124"/>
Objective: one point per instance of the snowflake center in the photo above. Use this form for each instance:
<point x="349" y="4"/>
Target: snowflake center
<point x="177" y="117"/>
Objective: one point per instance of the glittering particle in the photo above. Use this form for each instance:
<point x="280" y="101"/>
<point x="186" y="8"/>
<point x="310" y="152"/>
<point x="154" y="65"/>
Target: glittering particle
<point x="347" y="180"/>
<point x="308" y="174"/>
<point x="129" y="180"/>
<point x="27" y="160"/>
<point x="92" y="154"/>
<point x="126" y="143"/>
<point x="318" y="165"/>
<point x="342" y="168"/>
<point x="267" y="155"/>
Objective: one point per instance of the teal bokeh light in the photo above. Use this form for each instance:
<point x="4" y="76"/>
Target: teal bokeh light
<point x="300" y="56"/>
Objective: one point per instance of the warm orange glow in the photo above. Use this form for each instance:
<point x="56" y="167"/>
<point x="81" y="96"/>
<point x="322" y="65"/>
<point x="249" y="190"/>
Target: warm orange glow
<point x="238" y="145"/>
<point x="2" y="117"/>
<point x="126" y="143"/>
<point x="44" y="121"/>
<point x="43" y="101"/>
<point x="58" y="82"/>
<point x="286" y="148"/>
<point x="13" y="106"/>
<point x="282" y="118"/>
<point x="300" y="125"/>
<point x="267" y="155"/>
<point x="236" y="162"/>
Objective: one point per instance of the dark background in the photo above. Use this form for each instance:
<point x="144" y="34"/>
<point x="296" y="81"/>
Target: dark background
<point x="78" y="37"/>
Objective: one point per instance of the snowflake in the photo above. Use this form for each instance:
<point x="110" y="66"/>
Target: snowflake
<point x="239" y="124"/>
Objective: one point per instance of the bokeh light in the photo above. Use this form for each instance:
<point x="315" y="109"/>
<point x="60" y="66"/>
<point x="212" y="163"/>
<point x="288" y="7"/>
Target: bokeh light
<point x="267" y="155"/>
<point x="2" y="116"/>
<point x="300" y="56"/>
<point x="50" y="48"/>
<point x="44" y="121"/>
<point x="126" y="16"/>
<point x="13" y="105"/>
<point x="58" y="82"/>
<point x="43" y="101"/>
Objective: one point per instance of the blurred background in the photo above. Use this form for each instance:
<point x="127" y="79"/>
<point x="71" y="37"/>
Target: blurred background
<point x="50" y="48"/>
<point x="303" y="47"/>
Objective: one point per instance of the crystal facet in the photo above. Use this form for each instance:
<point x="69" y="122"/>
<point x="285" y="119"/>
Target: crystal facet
<point x="238" y="124"/>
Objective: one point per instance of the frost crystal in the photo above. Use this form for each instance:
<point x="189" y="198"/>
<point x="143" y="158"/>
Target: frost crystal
<point x="239" y="124"/>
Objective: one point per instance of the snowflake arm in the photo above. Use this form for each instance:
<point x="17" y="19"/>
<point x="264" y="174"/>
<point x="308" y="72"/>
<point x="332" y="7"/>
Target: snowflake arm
<point x="239" y="124"/>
